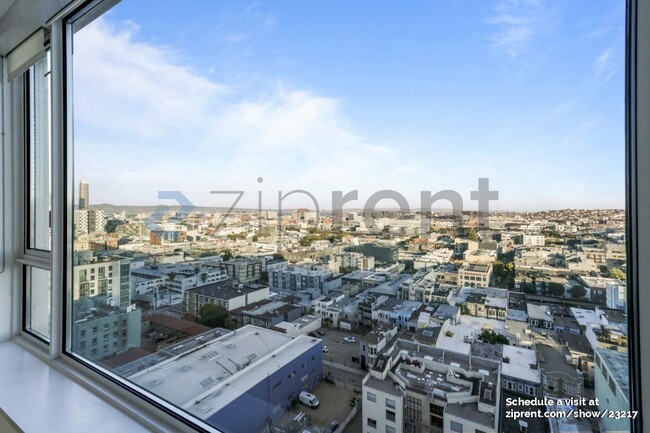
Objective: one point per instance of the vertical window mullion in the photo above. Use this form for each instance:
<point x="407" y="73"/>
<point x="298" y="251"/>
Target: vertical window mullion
<point x="60" y="58"/>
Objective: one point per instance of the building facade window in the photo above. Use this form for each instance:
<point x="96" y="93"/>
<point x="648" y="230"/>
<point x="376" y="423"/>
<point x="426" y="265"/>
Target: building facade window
<point x="456" y="426"/>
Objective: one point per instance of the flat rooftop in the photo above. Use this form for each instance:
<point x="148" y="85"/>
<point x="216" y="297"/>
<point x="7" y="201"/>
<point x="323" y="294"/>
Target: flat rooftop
<point x="519" y="364"/>
<point x="475" y="267"/>
<point x="221" y="290"/>
<point x="539" y="312"/>
<point x="496" y="302"/>
<point x="584" y="316"/>
<point x="208" y="378"/>
<point x="617" y="364"/>
<point x="470" y="412"/>
<point x="433" y="382"/>
<point x="552" y="359"/>
<point x="383" y="386"/>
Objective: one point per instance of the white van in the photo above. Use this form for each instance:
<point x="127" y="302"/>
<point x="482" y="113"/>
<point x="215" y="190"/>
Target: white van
<point x="308" y="399"/>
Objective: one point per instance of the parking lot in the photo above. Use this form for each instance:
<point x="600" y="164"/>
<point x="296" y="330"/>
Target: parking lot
<point x="334" y="406"/>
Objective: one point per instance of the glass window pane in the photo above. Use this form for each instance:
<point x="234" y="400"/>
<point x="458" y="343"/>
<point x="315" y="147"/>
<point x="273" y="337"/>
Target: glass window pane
<point x="37" y="301"/>
<point x="39" y="156"/>
<point x="188" y="127"/>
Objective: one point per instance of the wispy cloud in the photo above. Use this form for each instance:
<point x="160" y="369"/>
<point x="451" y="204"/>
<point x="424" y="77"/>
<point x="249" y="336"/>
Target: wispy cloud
<point x="138" y="111"/>
<point x="518" y="22"/>
<point x="604" y="67"/>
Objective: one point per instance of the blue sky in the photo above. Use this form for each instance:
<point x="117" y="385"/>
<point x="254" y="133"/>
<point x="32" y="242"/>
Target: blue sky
<point x="333" y="95"/>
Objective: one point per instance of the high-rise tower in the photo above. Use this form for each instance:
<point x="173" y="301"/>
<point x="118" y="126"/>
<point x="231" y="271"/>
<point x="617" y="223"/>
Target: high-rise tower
<point x="83" y="195"/>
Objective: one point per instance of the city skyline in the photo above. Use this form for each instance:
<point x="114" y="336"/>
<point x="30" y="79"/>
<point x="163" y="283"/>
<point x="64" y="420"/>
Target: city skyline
<point x="526" y="93"/>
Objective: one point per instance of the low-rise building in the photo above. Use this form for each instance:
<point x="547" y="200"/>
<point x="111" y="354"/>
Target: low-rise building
<point x="225" y="295"/>
<point x="271" y="314"/>
<point x="254" y="370"/>
<point x="474" y="275"/>
<point x="303" y="325"/>
<point x="539" y="316"/>
<point x="559" y="377"/>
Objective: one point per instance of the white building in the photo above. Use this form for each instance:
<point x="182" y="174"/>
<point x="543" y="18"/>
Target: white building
<point x="111" y="279"/>
<point x="612" y="387"/>
<point x="351" y="260"/>
<point x="89" y="221"/>
<point x="414" y="387"/>
<point x="474" y="275"/>
<point x="616" y="292"/>
<point x="533" y="240"/>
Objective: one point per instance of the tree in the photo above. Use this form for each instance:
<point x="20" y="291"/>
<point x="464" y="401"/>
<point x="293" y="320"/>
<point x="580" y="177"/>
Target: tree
<point x="226" y="255"/>
<point x="213" y="315"/>
<point x="171" y="276"/>
<point x="472" y="235"/>
<point x="464" y="309"/>
<point x="578" y="292"/>
<point x="491" y="337"/>
<point x="347" y="269"/>
<point x="556" y="289"/>
<point x="255" y="238"/>
<point x="527" y="287"/>
<point x="617" y="273"/>
<point x="204" y="277"/>
<point x="505" y="271"/>
<point x="278" y="256"/>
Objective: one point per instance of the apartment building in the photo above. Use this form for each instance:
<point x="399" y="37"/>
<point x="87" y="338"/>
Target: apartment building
<point x="244" y="270"/>
<point x="89" y="221"/>
<point x="560" y="378"/>
<point x="109" y="279"/>
<point x="351" y="260"/>
<point x="415" y="388"/>
<point x="474" y="275"/>
<point x="296" y="278"/>
<point x="101" y="331"/>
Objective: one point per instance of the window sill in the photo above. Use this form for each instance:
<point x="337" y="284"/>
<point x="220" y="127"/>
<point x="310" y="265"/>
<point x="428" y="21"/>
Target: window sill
<point x="39" y="398"/>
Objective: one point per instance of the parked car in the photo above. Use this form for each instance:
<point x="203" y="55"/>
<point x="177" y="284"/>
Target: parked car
<point x="326" y="349"/>
<point x="320" y="333"/>
<point x="308" y="399"/>
<point x="331" y="427"/>
<point x="350" y="339"/>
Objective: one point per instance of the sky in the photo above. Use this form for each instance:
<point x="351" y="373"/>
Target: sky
<point x="336" y="95"/>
